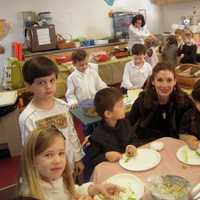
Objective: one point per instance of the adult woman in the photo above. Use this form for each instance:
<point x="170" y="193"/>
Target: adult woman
<point x="158" y="109"/>
<point x="137" y="31"/>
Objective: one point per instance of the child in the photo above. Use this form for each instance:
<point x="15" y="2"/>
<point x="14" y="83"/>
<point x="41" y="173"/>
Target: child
<point x="45" y="110"/>
<point x="114" y="135"/>
<point x="137" y="71"/>
<point x="188" y="51"/>
<point x="170" y="51"/>
<point x="178" y="34"/>
<point x="151" y="55"/>
<point x="46" y="173"/>
<point x="190" y="124"/>
<point x="84" y="82"/>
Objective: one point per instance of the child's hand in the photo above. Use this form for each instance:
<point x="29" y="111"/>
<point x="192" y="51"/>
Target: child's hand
<point x="113" y="156"/>
<point x="86" y="142"/>
<point x="79" y="167"/>
<point x="73" y="106"/>
<point x="192" y="142"/>
<point x="131" y="151"/>
<point x="108" y="190"/>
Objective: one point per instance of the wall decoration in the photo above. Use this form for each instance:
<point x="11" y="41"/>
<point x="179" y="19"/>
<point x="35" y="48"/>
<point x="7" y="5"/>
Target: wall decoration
<point x="109" y="2"/>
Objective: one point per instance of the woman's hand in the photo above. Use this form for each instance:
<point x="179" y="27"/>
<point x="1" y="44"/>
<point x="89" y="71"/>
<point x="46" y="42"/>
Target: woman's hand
<point x="113" y="156"/>
<point x="107" y="190"/>
<point x="131" y="151"/>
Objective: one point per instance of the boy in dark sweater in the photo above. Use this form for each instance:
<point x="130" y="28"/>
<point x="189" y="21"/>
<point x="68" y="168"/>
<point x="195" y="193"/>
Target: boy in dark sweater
<point x="114" y="135"/>
<point x="190" y="124"/>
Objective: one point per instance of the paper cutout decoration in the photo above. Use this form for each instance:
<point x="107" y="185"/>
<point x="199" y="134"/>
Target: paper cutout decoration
<point x="109" y="2"/>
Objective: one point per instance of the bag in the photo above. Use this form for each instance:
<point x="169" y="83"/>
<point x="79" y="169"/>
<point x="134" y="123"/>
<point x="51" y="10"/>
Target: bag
<point x="12" y="74"/>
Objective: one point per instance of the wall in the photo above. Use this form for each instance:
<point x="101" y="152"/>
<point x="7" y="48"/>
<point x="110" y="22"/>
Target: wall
<point x="78" y="17"/>
<point x="172" y="13"/>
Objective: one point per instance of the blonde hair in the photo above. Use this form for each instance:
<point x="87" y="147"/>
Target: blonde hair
<point x="37" y="142"/>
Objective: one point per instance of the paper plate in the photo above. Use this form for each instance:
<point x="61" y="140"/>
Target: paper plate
<point x="129" y="181"/>
<point x="145" y="159"/>
<point x="188" y="156"/>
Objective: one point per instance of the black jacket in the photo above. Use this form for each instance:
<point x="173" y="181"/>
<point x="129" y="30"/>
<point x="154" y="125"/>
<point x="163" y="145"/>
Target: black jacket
<point x="189" y="52"/>
<point x="190" y="123"/>
<point x="106" y="138"/>
<point x="151" y="120"/>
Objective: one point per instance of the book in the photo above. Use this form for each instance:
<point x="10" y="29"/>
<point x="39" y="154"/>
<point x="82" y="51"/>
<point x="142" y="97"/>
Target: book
<point x="8" y="98"/>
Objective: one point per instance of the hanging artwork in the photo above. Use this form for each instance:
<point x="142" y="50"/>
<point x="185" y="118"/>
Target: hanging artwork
<point x="109" y="2"/>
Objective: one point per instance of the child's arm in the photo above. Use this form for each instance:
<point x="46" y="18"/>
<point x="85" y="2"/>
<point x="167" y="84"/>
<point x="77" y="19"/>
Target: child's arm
<point x="113" y="156"/>
<point x="190" y="140"/>
<point x="70" y="95"/>
<point x="126" y="83"/>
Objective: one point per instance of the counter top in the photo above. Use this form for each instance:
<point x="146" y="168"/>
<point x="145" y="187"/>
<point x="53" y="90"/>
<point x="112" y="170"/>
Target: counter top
<point x="27" y="53"/>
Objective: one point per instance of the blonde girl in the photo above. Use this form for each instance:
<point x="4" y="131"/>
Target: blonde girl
<point x="45" y="172"/>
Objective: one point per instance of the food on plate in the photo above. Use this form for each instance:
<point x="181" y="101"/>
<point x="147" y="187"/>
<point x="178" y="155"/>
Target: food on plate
<point x="126" y="194"/>
<point x="131" y="151"/>
<point x="169" y="187"/>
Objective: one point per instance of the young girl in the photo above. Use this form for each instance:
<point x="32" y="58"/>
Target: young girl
<point x="188" y="50"/>
<point x="46" y="174"/>
<point x="190" y="125"/>
<point x="151" y="55"/>
<point x="170" y="51"/>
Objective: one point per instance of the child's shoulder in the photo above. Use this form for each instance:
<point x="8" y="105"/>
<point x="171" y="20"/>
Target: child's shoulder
<point x="28" y="110"/>
<point x="60" y="102"/>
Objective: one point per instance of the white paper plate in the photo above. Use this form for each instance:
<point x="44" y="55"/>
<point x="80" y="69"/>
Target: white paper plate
<point x="128" y="181"/>
<point x="187" y="156"/>
<point x="145" y="159"/>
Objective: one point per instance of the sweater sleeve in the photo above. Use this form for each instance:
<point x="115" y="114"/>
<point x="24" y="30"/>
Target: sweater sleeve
<point x="70" y="94"/>
<point x="134" y="114"/>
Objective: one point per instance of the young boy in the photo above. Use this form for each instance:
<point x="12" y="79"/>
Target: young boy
<point x="114" y="135"/>
<point x="45" y="110"/>
<point x="136" y="71"/>
<point x="190" y="124"/>
<point x="83" y="82"/>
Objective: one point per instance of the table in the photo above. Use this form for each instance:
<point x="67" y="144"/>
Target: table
<point x="168" y="165"/>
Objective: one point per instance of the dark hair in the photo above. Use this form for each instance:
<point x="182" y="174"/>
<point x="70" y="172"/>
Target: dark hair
<point x="138" y="17"/>
<point x="171" y="40"/>
<point x="138" y="49"/>
<point x="106" y="99"/>
<point x="38" y="67"/>
<point x="196" y="91"/>
<point x="79" y="55"/>
<point x="162" y="66"/>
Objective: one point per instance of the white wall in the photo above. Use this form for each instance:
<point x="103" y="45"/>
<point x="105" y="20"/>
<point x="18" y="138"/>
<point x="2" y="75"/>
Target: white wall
<point x="78" y="17"/>
<point x="172" y="13"/>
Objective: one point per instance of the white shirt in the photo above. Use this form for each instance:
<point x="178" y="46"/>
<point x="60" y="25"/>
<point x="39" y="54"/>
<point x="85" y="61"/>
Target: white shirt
<point x="134" y="76"/>
<point x="33" y="117"/>
<point x="55" y="190"/>
<point x="136" y="35"/>
<point x="83" y="85"/>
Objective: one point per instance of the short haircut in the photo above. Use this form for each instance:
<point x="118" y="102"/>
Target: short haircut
<point x="79" y="55"/>
<point x="138" y="17"/>
<point x="38" y="67"/>
<point x="138" y="49"/>
<point x="171" y="39"/>
<point x="106" y="99"/>
<point x="196" y="91"/>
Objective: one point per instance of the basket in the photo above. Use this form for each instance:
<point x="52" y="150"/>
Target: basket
<point x="187" y="75"/>
<point x="62" y="43"/>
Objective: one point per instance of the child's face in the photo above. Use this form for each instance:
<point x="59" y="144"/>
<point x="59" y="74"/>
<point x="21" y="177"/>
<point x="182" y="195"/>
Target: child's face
<point x="51" y="162"/>
<point x="81" y="65"/>
<point x="43" y="87"/>
<point x="118" y="111"/>
<point x="197" y="104"/>
<point x="139" y="60"/>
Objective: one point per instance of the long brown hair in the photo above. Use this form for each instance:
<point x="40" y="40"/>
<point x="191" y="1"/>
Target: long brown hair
<point x="36" y="143"/>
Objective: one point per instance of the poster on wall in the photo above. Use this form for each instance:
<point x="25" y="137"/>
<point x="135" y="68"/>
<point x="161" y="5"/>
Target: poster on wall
<point x="109" y="2"/>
